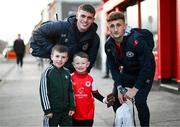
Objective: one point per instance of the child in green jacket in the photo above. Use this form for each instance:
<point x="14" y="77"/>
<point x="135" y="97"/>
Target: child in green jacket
<point x="56" y="93"/>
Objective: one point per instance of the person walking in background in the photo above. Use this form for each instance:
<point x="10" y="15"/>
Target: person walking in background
<point x="84" y="90"/>
<point x="56" y="93"/>
<point x="19" y="48"/>
<point x="132" y="65"/>
<point x="78" y="33"/>
<point x="107" y="71"/>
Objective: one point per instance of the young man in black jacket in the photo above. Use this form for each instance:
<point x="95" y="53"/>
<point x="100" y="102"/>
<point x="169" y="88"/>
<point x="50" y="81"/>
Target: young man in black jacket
<point x="78" y="33"/>
<point x="132" y="65"/>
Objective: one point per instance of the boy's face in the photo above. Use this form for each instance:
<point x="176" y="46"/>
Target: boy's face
<point x="116" y="28"/>
<point x="59" y="59"/>
<point x="80" y="64"/>
<point x="84" y="20"/>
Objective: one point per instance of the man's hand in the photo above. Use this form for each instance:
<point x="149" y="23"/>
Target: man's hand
<point x="131" y="93"/>
<point x="121" y="92"/>
<point x="121" y="98"/>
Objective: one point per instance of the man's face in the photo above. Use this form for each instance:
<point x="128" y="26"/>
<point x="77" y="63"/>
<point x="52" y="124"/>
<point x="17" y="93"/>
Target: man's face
<point x="116" y="28"/>
<point x="84" y="20"/>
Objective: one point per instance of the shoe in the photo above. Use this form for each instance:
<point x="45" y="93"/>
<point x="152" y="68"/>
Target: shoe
<point x="106" y="76"/>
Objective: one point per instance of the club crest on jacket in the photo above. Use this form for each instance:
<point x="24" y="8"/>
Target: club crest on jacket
<point x="85" y="46"/>
<point x="129" y="54"/>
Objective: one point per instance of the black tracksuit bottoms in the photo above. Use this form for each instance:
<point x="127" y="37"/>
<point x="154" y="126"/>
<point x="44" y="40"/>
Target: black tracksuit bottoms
<point x="60" y="119"/>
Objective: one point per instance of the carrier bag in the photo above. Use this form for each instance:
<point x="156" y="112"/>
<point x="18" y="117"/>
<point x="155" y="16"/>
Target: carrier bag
<point x="124" y="116"/>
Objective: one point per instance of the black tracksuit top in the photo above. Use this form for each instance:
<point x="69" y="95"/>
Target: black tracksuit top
<point x="56" y="91"/>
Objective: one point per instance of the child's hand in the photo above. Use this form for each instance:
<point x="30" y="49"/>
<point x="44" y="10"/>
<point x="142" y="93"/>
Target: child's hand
<point x="71" y="113"/>
<point x="50" y="115"/>
<point x="105" y="100"/>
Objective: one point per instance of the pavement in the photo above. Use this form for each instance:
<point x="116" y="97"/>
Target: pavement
<point x="20" y="102"/>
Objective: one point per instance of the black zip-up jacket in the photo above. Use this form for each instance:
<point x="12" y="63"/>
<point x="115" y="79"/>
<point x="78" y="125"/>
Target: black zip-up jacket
<point x="19" y="46"/>
<point x="66" y="33"/>
<point x="56" y="91"/>
<point x="137" y="61"/>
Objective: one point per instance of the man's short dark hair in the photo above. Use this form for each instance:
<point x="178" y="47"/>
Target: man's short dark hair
<point x="115" y="16"/>
<point x="60" y="48"/>
<point x="87" y="7"/>
<point x="82" y="55"/>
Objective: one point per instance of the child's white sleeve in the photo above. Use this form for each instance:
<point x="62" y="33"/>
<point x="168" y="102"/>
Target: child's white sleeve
<point x="94" y="86"/>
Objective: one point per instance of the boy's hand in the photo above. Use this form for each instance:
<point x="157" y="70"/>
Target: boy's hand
<point x="71" y="113"/>
<point x="105" y="100"/>
<point x="50" y="115"/>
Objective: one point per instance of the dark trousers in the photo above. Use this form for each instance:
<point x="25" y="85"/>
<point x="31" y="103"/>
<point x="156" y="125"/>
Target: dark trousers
<point x="60" y="119"/>
<point x="141" y="104"/>
<point x="107" y="68"/>
<point x="86" y="123"/>
<point x="19" y="59"/>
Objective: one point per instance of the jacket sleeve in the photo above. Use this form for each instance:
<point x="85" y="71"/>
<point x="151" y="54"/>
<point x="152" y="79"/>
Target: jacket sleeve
<point x="147" y="64"/>
<point x="113" y="65"/>
<point x="46" y="36"/>
<point x="71" y="97"/>
<point x="98" y="96"/>
<point x="43" y="90"/>
<point x="93" y="51"/>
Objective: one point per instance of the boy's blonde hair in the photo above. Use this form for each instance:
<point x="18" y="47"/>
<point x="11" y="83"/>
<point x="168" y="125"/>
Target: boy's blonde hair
<point x="82" y="55"/>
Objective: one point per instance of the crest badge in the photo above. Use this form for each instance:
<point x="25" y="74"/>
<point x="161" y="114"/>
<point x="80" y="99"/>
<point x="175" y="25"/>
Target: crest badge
<point x="85" y="46"/>
<point x="129" y="54"/>
<point x="88" y="83"/>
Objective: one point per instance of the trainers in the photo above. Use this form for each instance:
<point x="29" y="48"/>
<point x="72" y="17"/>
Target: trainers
<point x="106" y="76"/>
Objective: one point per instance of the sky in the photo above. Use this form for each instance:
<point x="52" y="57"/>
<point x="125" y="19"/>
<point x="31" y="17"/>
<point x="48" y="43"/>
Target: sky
<point x="19" y="16"/>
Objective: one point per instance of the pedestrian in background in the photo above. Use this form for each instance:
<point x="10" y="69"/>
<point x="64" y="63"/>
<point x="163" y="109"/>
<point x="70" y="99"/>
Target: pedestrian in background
<point x="56" y="93"/>
<point x="84" y="90"/>
<point x="78" y="33"/>
<point x="132" y="65"/>
<point x="107" y="73"/>
<point x="19" y="48"/>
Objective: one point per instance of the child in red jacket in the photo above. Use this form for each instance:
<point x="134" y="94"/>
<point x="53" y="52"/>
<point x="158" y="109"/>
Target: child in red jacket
<point x="84" y="90"/>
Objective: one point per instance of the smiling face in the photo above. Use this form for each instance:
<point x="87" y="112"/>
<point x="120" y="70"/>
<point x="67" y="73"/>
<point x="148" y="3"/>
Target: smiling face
<point x="84" y="20"/>
<point x="59" y="59"/>
<point x="80" y="64"/>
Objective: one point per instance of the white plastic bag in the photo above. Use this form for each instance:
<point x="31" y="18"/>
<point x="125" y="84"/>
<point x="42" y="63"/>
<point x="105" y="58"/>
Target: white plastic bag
<point x="124" y="116"/>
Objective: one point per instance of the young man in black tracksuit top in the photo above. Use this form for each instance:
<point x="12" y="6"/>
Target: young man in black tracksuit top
<point x="56" y="93"/>
<point x="132" y="65"/>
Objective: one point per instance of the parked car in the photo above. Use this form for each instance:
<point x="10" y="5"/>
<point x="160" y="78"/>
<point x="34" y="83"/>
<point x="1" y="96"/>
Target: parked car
<point x="9" y="53"/>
